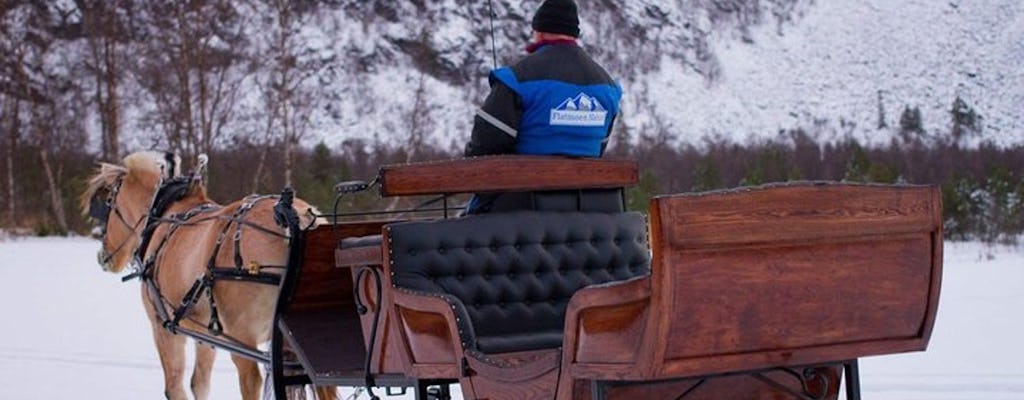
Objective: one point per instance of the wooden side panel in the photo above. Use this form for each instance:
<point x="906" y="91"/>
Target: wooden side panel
<point x="795" y="213"/>
<point x="321" y="284"/>
<point x="506" y="173"/>
<point x="792" y="274"/>
<point x="745" y="300"/>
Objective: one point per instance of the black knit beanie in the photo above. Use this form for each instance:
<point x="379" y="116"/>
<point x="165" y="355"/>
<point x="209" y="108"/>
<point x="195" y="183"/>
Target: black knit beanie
<point x="557" y="16"/>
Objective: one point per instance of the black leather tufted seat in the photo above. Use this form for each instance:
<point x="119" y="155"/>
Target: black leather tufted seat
<point x="511" y="275"/>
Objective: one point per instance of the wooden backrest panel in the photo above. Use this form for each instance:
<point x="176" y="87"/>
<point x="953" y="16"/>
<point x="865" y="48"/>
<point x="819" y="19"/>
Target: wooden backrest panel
<point x="795" y="212"/>
<point x="506" y="173"/>
<point x="807" y="271"/>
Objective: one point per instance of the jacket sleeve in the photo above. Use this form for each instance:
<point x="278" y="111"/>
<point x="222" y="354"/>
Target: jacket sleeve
<point x="496" y="123"/>
<point x="608" y="136"/>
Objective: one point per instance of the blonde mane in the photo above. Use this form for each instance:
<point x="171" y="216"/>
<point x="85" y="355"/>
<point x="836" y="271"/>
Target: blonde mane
<point x="144" y="165"/>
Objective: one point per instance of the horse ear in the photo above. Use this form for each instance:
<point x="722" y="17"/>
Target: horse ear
<point x="173" y="165"/>
<point x="201" y="162"/>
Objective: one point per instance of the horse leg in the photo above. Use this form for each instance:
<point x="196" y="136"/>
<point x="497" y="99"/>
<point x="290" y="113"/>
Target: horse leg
<point x="249" y="379"/>
<point x="326" y="393"/>
<point x="205" y="355"/>
<point x="172" y="358"/>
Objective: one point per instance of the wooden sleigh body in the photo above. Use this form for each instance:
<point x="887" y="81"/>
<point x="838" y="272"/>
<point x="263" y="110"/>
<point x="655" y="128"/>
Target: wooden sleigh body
<point x="768" y="292"/>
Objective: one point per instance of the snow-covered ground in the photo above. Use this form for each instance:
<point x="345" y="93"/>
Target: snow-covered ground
<point x="71" y="331"/>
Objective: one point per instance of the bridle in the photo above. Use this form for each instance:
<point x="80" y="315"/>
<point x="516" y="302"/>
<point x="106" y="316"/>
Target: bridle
<point x="101" y="211"/>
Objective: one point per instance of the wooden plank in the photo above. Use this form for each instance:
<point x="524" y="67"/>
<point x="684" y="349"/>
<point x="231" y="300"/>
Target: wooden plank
<point x="740" y="301"/>
<point x="795" y="213"/>
<point x="506" y="173"/>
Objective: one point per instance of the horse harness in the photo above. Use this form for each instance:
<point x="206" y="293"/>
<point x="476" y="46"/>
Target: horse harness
<point x="100" y="210"/>
<point x="169" y="193"/>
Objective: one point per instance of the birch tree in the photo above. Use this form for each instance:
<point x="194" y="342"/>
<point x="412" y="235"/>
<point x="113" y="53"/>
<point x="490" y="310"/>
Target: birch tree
<point x="291" y="99"/>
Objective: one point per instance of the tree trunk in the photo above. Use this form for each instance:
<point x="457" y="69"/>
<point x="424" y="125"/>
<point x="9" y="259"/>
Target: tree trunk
<point x="289" y="162"/>
<point x="56" y="197"/>
<point x="12" y="141"/>
<point x="101" y="22"/>
<point x="256" y="178"/>
<point x="111" y="107"/>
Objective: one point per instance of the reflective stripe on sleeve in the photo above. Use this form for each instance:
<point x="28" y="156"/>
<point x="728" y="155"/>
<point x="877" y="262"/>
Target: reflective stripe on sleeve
<point x="496" y="122"/>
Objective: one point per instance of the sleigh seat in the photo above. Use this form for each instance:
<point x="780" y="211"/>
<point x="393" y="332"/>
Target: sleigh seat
<point x="504" y="280"/>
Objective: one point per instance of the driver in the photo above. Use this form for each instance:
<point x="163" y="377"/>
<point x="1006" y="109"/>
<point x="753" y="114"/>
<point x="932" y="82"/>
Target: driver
<point x="555" y="101"/>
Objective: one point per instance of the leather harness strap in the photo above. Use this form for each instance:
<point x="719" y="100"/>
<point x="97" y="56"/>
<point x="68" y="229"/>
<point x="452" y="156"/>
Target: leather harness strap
<point x="169" y="193"/>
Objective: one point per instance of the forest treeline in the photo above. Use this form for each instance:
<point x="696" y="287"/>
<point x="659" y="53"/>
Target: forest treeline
<point x="982" y="186"/>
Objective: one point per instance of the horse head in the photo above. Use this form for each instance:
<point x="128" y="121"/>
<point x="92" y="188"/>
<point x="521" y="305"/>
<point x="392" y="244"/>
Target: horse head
<point x="118" y="199"/>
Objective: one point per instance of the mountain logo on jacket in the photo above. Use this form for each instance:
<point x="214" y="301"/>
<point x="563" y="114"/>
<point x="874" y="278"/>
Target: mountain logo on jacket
<point x="583" y="110"/>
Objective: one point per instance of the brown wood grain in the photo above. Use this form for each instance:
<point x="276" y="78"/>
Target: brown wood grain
<point x="358" y="257"/>
<point x="506" y="173"/>
<point x="795" y="213"/>
<point x="604" y="330"/>
<point x="321" y="284"/>
<point x="428" y="336"/>
<point x="513" y="376"/>
<point x="783" y="275"/>
<point x="741" y="300"/>
<point x="798" y="273"/>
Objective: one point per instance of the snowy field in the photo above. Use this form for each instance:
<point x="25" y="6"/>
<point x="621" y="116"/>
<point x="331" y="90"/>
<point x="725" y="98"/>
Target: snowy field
<point x="71" y="331"/>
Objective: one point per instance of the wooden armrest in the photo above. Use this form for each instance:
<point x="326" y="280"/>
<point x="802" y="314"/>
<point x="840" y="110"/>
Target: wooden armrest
<point x="605" y="325"/>
<point x="430" y="333"/>
<point x="610" y="294"/>
<point x="506" y="173"/>
<point x="358" y="257"/>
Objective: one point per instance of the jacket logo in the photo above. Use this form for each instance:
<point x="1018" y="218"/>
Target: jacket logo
<point x="583" y="110"/>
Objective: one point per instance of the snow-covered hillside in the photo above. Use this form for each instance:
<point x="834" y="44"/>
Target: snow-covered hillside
<point x="71" y="331"/>
<point x="736" y="69"/>
<point x="844" y="59"/>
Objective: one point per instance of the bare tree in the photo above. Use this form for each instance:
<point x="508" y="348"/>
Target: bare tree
<point x="40" y="78"/>
<point x="105" y="28"/>
<point x="15" y="85"/>
<point x="191" y="71"/>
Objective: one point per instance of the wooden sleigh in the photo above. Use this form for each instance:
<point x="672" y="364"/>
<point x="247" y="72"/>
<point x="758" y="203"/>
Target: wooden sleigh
<point x="767" y="292"/>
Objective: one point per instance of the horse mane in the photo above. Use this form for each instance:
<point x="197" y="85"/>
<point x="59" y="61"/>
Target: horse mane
<point x="146" y="165"/>
<point x="106" y="174"/>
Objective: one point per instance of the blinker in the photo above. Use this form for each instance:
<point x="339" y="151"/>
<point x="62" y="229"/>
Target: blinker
<point x="99" y="207"/>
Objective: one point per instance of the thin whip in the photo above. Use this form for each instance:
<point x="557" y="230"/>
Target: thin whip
<point x="494" y="48"/>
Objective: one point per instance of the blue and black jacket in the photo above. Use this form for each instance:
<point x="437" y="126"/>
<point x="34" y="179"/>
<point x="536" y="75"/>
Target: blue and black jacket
<point x="556" y="101"/>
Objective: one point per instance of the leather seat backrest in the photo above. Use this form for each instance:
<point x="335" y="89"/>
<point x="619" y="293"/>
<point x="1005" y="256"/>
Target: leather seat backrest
<point x="582" y="200"/>
<point x="515" y="272"/>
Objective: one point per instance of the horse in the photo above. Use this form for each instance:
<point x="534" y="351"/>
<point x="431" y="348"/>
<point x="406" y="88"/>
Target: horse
<point x="193" y="234"/>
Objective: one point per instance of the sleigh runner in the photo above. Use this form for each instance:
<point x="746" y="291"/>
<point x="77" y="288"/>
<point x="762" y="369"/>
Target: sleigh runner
<point x="767" y="292"/>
